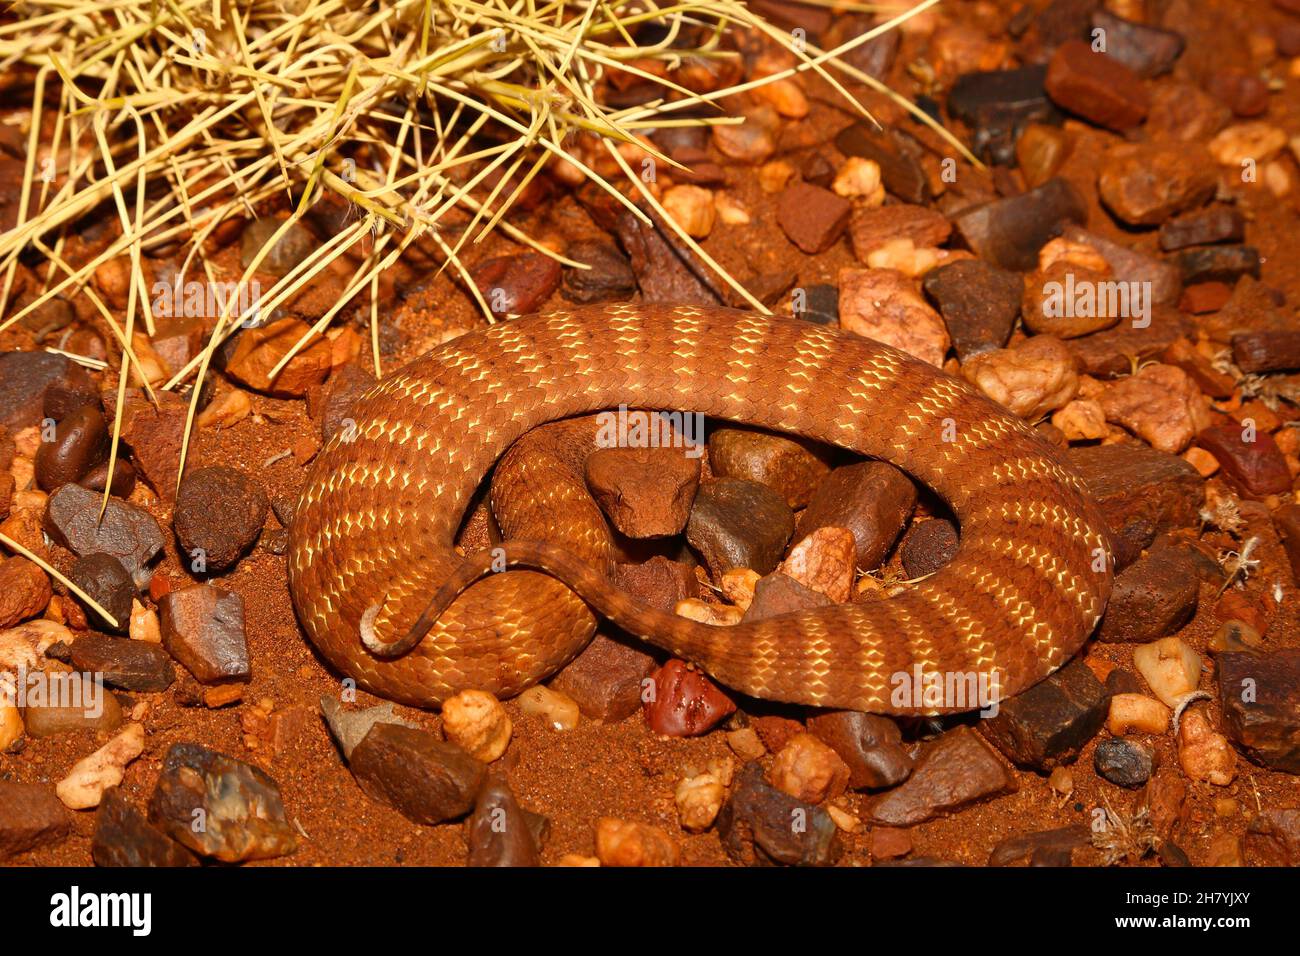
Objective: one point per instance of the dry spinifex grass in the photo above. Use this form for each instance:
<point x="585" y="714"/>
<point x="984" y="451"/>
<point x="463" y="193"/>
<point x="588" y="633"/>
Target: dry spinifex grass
<point x="182" y="114"/>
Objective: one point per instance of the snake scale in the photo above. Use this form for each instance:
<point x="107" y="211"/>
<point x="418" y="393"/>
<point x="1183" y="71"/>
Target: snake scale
<point x="372" y="540"/>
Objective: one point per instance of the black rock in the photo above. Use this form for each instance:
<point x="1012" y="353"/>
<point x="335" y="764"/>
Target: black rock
<point x="761" y="825"/>
<point x="1218" y="263"/>
<point x="979" y="304"/>
<point x="997" y="104"/>
<point x="1124" y="762"/>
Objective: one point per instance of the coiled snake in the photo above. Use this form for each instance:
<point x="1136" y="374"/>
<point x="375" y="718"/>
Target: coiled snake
<point x="372" y="538"/>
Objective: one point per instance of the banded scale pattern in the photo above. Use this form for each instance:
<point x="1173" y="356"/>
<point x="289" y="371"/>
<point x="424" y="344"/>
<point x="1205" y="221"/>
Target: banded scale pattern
<point x="374" y="529"/>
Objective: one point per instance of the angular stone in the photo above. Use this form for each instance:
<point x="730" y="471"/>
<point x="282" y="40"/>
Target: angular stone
<point x="427" y="780"/>
<point x="128" y="664"/>
<point x="684" y="702"/>
<point x="500" y="832"/>
<point x="1009" y="232"/>
<point x="1123" y="762"/>
<point x="979" y="303"/>
<point x="871" y="228"/>
<point x="610" y="278"/>
<point x="1146" y="50"/>
<point x="220" y="807"/>
<point x="873" y="499"/>
<point x="1255" y="468"/>
<point x="332" y="403"/>
<point x="155" y="434"/>
<point x="739" y="524"/>
<point x="203" y="628"/>
<point x="776" y="594"/>
<point x="645" y="492"/>
<point x="1110" y="354"/>
<point x="127" y="532"/>
<point x="219" y="513"/>
<point x="884" y="305"/>
<point x="24" y="590"/>
<point x="124" y="837"/>
<point x="928" y="546"/>
<point x="1271" y="351"/>
<point x="1182" y="354"/>
<point x="31" y="817"/>
<point x="1217" y="223"/>
<point x="956" y="770"/>
<point x="1218" y="263"/>
<point x="1260" y="696"/>
<point x="756" y="826"/>
<point x="658" y="582"/>
<point x="25" y="380"/>
<point x="349" y="727"/>
<point x="1049" y="724"/>
<point x="519" y="284"/>
<point x="902" y="175"/>
<point x="108" y="583"/>
<point x="997" y="105"/>
<point x="1042" y="848"/>
<point x="257" y="351"/>
<point x="1273" y="838"/>
<point x="80" y="442"/>
<point x="871" y="746"/>
<point x="1152" y="598"/>
<point x="606" y="678"/>
<point x="812" y="218"/>
<point x="1096" y="86"/>
<point x="1145" y="185"/>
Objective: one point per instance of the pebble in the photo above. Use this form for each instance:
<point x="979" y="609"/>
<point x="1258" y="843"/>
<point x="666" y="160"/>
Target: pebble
<point x="812" y="218"/>
<point x="349" y="727"/>
<point x="1273" y="838"/>
<point x="154" y="434"/>
<point x="778" y="594"/>
<point x="1171" y="668"/>
<point x="558" y="710"/>
<point x="132" y="665"/>
<point x="869" y="744"/>
<point x="1051" y="722"/>
<point x="873" y="229"/>
<point x="883" y="304"/>
<point x="242" y="814"/>
<point x="808" y="770"/>
<point x="203" y="629"/>
<point x="1041" y="151"/>
<point x="427" y="780"/>
<point x="1224" y="264"/>
<point x="27" y="379"/>
<point x="108" y="583"/>
<point x="824" y="561"/>
<point x="644" y="492"/>
<point x="1146" y="184"/>
<point x="679" y="701"/>
<point x="128" y="533"/>
<point x="1256" y="142"/>
<point x="219" y="513"/>
<point x="1243" y="93"/>
<point x="1124" y="763"/>
<point x="257" y="351"/>
<point x="857" y="179"/>
<point x="610" y="278"/>
<point x="24" y="590"/>
<point x="1160" y="404"/>
<point x="1234" y="636"/>
<point x="331" y="404"/>
<point x="124" y="837"/>
<point x="1268" y="351"/>
<point x="1095" y="86"/>
<point x="73" y="702"/>
<point x="1205" y="754"/>
<point x="746" y="744"/>
<point x="605" y="679"/>
<point x="872" y="499"/>
<point x="707" y="613"/>
<point x="1183" y="354"/>
<point x="79" y="443"/>
<point x="500" y="832"/>
<point x="1008" y="233"/>
<point x="1258" y="693"/>
<point x="518" y="284"/>
<point x="1065" y="301"/>
<point x="123" y="478"/>
<point x="750" y="142"/>
<point x="1146" y="50"/>
<point x="625" y="843"/>
<point x="1130" y="713"/>
<point x="1081" y="420"/>
<point x="659" y="582"/>
<point x="699" y="797"/>
<point x="1218" y="223"/>
<point x="1042" y="848"/>
<point x="1225" y="849"/>
<point x="738" y="586"/>
<point x="1255" y="469"/>
<point x="979" y="304"/>
<point x="1152" y="598"/>
<point x="293" y="247"/>
<point x="760" y="824"/>
<point x="31" y="817"/>
<point x="890" y="843"/>
<point x="900" y="171"/>
<point x="791" y="466"/>
<point x="85" y="784"/>
<point x="955" y="771"/>
<point x="739" y="524"/>
<point x="11" y="724"/>
<point x="475" y="721"/>
<point x="1030" y="379"/>
<point x="691" y="207"/>
<point x="997" y="105"/>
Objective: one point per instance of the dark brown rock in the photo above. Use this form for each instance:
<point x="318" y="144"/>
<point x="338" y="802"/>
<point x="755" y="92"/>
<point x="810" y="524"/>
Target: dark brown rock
<point x="873" y="499"/>
<point x="956" y="770"/>
<point x="871" y="746"/>
<point x="500" y="832"/>
<point x="108" y="583"/>
<point x="1111" y="353"/>
<point x="1255" y="468"/>
<point x="220" y="807"/>
<point x="739" y="524"/>
<point x="1009" y="232"/>
<point x="791" y="466"/>
<point x="928" y="546"/>
<point x="203" y="628"/>
<point x="155" y="434"/>
<point x="1218" y="263"/>
<point x="760" y="825"/>
<point x="1260" y="696"/>
<point x="610" y="278"/>
<point x="124" y="837"/>
<point x="1242" y="92"/>
<point x="1199" y="369"/>
<point x="31" y="816"/>
<point x="997" y="105"/>
<point x="519" y="284"/>
<point x="123" y="478"/>
<point x="1096" y="86"/>
<point x="658" y="582"/>
<point x="645" y="492"/>
<point x="1270" y="351"/>
<point x="777" y="594"/>
<point x="1043" y="848"/>
<point x="870" y="229"/>
<point x="219" y="513"/>
<point x="979" y="304"/>
<point x="812" y="218"/>
<point x="128" y="533"/>
<point x="427" y="780"/>
<point x="25" y="380"/>
<point x="128" y="664"/>
<point x="901" y="172"/>
<point x="605" y="680"/>
<point x="1146" y="50"/>
<point x="1273" y="838"/>
<point x="1049" y="724"/>
<point x="331" y="404"/>
<point x="1152" y="598"/>
<point x="1217" y="223"/>
<point x="679" y="701"/>
<point x="79" y="442"/>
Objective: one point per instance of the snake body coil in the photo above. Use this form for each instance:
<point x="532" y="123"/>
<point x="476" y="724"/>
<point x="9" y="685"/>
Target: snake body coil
<point x="373" y="532"/>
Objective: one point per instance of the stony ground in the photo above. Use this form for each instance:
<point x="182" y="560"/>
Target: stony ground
<point x="1163" y="166"/>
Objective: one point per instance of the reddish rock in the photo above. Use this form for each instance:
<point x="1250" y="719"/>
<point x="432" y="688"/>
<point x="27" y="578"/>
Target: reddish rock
<point x="1260" y="696"/>
<point x="956" y="770"/>
<point x="871" y="746"/>
<point x="1287" y="521"/>
<point x="1273" y="838"/>
<point x="870" y="229"/>
<point x="872" y="499"/>
<point x="79" y="443"/>
<point x="928" y="546"/>
<point x="109" y="584"/>
<point x="500" y="832"/>
<point x="1205" y="297"/>
<point x="901" y="172"/>
<point x="1145" y="185"/>
<point x="812" y="217"/>
<point x="1049" y="724"/>
<point x="791" y="466"/>
<point x="203" y="628"/>
<point x="1043" y="848"/>
<point x="219" y="513"/>
<point x="1096" y="86"/>
<point x="1268" y="351"/>
<point x="1218" y="223"/>
<point x="1009" y="232"/>
<point x="755" y="826"/>
<point x="1152" y="598"/>
<point x="257" y="351"/>
<point x="27" y="378"/>
<point x="777" y="594"/>
<point x="658" y="582"/>
<point x="31" y="816"/>
<point x="24" y="591"/>
<point x="519" y="284"/>
<point x="1242" y="92"/>
<point x="128" y="664"/>
<point x="427" y="780"/>
<point x="739" y="524"/>
<point x="682" y="702"/>
<point x="606" y="679"/>
<point x="154" y="434"/>
<point x="979" y="304"/>
<point x="1255" y="468"/>
<point x="331" y="404"/>
<point x="124" y="837"/>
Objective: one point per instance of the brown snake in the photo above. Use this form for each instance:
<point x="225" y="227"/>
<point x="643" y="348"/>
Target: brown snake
<point x="373" y="532"/>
